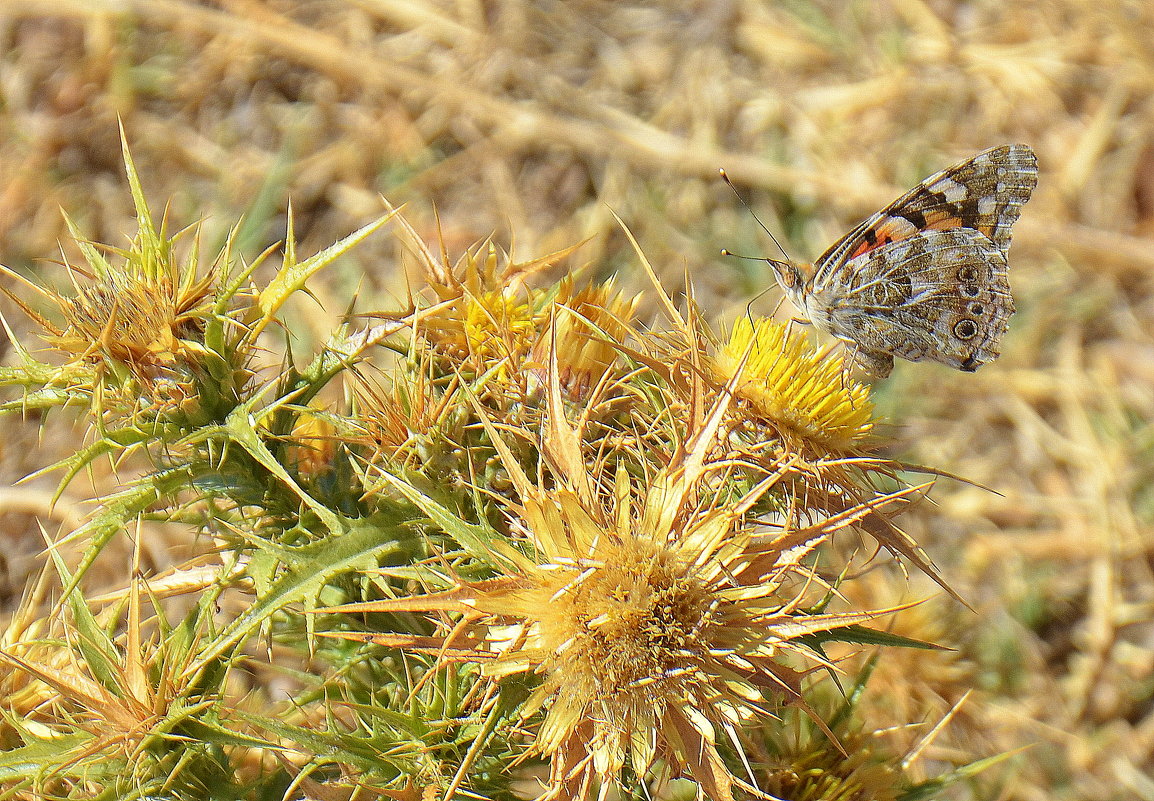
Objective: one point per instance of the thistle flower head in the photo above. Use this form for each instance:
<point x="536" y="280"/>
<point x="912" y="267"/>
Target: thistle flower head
<point x="586" y="325"/>
<point x="799" y="764"/>
<point x="135" y="324"/>
<point x="484" y="317"/>
<point x="482" y="329"/>
<point x="132" y="333"/>
<point x="803" y="393"/>
<point x="141" y="321"/>
<point x="410" y="422"/>
<point x="135" y="694"/>
<point x="650" y="611"/>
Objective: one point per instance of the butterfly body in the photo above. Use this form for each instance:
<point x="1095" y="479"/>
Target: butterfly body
<point x="926" y="277"/>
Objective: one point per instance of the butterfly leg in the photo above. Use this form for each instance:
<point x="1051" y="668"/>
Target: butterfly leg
<point x="791" y="321"/>
<point x="851" y="359"/>
<point x="877" y="364"/>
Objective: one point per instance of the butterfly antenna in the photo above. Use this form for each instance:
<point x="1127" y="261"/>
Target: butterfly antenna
<point x="762" y="293"/>
<point x="775" y="262"/>
<point x="725" y="177"/>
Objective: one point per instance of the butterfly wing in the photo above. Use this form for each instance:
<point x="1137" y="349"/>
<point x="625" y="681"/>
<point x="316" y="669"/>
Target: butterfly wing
<point x="925" y="278"/>
<point x="984" y="194"/>
<point x="941" y="295"/>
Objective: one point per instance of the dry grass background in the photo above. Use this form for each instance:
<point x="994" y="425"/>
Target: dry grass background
<point x="531" y="120"/>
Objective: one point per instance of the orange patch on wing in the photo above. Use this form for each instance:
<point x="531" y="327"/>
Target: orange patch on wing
<point x="895" y="229"/>
<point x="943" y="221"/>
<point x="892" y="229"/>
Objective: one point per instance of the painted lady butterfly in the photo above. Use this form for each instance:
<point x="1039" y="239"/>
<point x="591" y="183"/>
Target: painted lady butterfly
<point x="925" y="277"/>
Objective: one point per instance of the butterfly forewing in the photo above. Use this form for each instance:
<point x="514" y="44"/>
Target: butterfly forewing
<point x="985" y="193"/>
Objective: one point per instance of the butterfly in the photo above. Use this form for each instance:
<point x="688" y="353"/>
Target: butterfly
<point x="925" y="277"/>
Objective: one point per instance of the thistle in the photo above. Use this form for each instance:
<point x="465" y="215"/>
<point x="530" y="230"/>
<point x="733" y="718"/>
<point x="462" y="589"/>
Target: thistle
<point x="653" y="615"/>
<point x="568" y="538"/>
<point x="141" y="330"/>
<point x="804" y="394"/>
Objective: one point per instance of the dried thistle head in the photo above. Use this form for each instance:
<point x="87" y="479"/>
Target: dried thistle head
<point x="123" y="323"/>
<point x="653" y="615"/>
<point x="118" y="706"/>
<point x="143" y="321"/>
<point x="136" y="324"/>
<point x="587" y="329"/>
<point x="413" y="421"/>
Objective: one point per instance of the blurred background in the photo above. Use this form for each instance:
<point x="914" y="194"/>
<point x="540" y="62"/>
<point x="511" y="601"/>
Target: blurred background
<point x="531" y="121"/>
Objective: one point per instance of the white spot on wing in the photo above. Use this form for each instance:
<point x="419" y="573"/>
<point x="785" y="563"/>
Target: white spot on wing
<point x="950" y="189"/>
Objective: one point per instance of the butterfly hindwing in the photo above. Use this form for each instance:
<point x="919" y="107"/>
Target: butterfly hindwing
<point x="941" y="295"/>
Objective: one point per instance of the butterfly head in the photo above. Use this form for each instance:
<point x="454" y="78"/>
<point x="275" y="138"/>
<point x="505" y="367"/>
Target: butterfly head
<point x="791" y="275"/>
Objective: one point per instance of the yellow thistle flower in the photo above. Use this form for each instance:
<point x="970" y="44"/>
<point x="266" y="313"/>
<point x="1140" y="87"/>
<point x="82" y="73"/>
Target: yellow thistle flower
<point x="313" y="443"/>
<point x="481" y="323"/>
<point x="484" y="329"/>
<point x="814" y="406"/>
<point x="484" y="316"/>
<point x="802" y="392"/>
